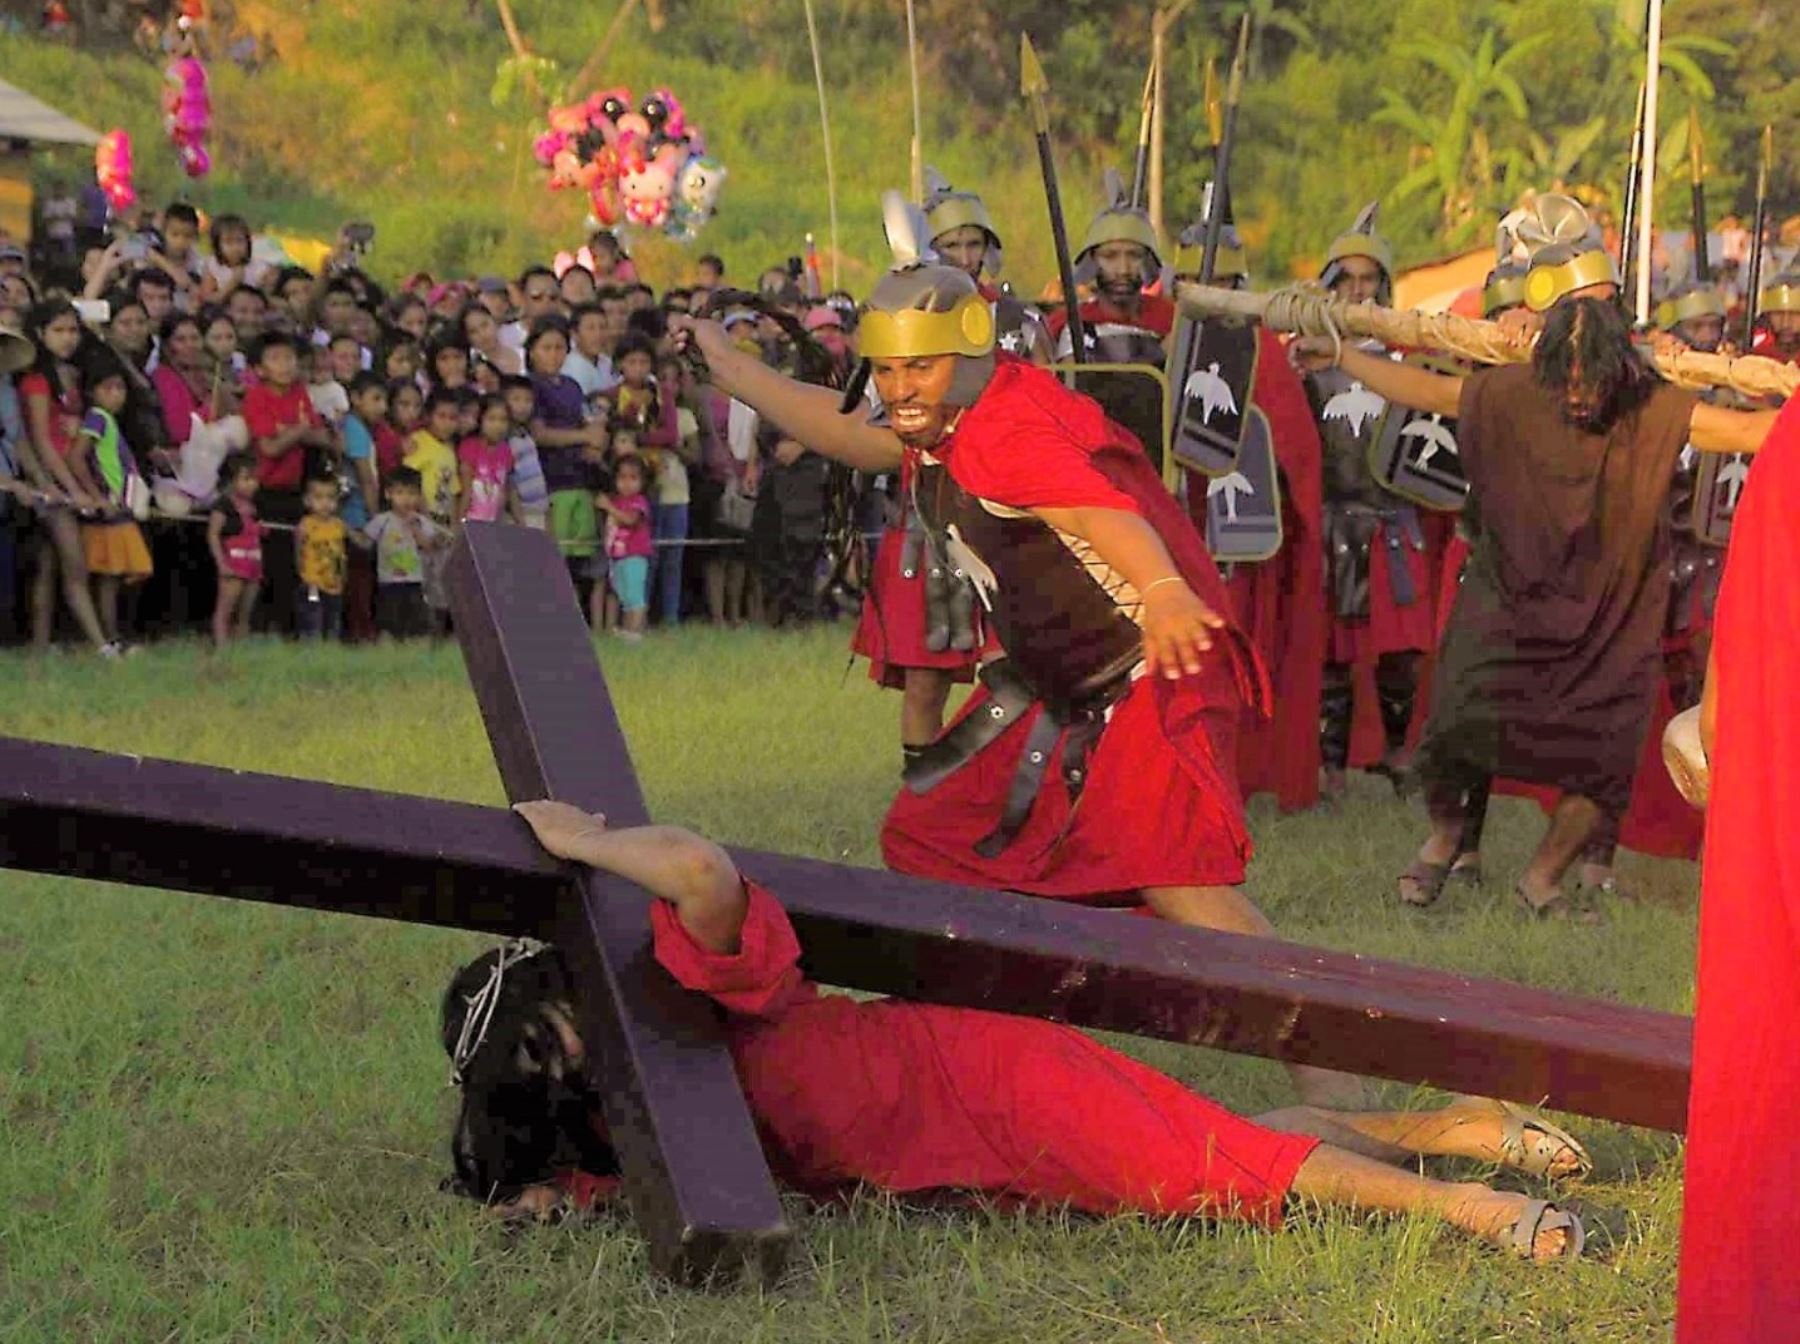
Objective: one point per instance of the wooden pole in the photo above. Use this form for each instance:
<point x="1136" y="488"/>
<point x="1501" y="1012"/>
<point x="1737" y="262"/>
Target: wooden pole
<point x="812" y="34"/>
<point x="1647" y="188"/>
<point x="918" y="135"/>
<point x="1160" y="23"/>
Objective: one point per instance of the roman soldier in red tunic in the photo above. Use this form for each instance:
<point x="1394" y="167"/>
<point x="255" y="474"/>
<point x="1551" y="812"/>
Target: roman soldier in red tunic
<point x="1778" y="323"/>
<point x="1120" y="258"/>
<point x="963" y="236"/>
<point x="1383" y="553"/>
<point x="1097" y="762"/>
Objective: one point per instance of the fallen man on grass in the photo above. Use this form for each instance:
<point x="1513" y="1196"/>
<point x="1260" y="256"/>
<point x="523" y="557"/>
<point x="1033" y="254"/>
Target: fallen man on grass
<point x="910" y="1097"/>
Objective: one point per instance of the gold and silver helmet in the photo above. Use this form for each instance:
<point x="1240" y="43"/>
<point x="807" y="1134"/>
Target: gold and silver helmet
<point x="922" y="309"/>
<point x="1780" y="295"/>
<point x="1567" y="253"/>
<point x="1688" y="303"/>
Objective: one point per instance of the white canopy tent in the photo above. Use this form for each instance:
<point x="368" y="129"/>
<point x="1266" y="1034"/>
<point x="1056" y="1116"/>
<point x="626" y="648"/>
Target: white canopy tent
<point x="23" y="117"/>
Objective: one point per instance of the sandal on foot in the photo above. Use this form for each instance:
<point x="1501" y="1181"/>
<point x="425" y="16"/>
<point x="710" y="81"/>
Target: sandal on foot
<point x="1531" y="1144"/>
<point x="1556" y="907"/>
<point x="1427" y="878"/>
<point x="1468" y="874"/>
<point x="1538" y="1216"/>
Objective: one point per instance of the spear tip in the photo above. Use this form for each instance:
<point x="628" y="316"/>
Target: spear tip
<point x="1032" y="82"/>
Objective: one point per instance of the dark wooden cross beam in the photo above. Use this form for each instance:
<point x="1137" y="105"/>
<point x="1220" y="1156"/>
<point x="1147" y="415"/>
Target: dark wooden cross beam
<point x="696" y="1181"/>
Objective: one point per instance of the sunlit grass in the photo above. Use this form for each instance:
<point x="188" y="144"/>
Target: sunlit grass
<point x="227" y="1122"/>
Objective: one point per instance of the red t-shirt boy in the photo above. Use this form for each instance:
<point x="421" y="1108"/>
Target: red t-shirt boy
<point x="280" y="416"/>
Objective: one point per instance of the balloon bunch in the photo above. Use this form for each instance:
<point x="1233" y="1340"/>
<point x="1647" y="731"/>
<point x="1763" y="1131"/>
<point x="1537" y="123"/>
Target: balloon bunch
<point x="644" y="165"/>
<point x="187" y="113"/>
<point x="112" y="169"/>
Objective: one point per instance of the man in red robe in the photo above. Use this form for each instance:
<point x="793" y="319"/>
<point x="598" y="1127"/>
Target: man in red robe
<point x="1275" y="601"/>
<point x="913" y="1097"/>
<point x="964" y="236"/>
<point x="1739" y="1220"/>
<point x="1123" y="683"/>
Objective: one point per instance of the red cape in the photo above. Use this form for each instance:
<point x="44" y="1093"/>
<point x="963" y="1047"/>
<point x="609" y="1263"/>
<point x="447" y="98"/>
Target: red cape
<point x="1278" y="601"/>
<point x="1742" y="1215"/>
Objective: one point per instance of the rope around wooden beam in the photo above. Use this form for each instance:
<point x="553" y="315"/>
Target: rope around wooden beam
<point x="1311" y="311"/>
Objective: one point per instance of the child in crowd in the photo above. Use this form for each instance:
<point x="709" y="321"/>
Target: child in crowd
<point x="179" y="258"/>
<point x="571" y="448"/>
<point x="345" y="358"/>
<point x="671" y="512"/>
<point x="361" y="488"/>
<point x="113" y="544"/>
<point x="402" y="537"/>
<point x="291" y="442"/>
<point x="635" y="403"/>
<point x="401" y="361"/>
<point x="220" y="336"/>
<point x="234" y="536"/>
<point x="231" y="264"/>
<point x="588" y="362"/>
<point x="531" y="497"/>
<point x="406" y="410"/>
<point x="449" y="364"/>
<point x="429" y="453"/>
<point x="485" y="462"/>
<point x="629" y="546"/>
<point x="50" y="394"/>
<point x="327" y="394"/>
<point x="319" y="550"/>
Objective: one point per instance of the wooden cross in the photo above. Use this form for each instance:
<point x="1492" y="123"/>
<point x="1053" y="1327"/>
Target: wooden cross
<point x="694" y="1173"/>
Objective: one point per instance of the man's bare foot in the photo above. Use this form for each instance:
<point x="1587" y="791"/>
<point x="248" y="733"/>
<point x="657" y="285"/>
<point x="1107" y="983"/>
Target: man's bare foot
<point x="1600" y="877"/>
<point x="1546" y="900"/>
<point x="1495" y="1216"/>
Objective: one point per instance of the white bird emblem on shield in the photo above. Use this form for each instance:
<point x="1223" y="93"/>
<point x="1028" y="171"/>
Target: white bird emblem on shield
<point x="1355" y="404"/>
<point x="1231" y="487"/>
<point x="1212" y="391"/>
<point x="1436" y="438"/>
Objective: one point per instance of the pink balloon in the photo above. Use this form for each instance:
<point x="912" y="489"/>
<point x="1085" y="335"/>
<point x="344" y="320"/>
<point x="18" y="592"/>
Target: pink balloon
<point x="195" y="161"/>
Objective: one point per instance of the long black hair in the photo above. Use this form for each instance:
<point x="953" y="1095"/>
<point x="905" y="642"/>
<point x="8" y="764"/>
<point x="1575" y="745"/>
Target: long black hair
<point x="527" y="1110"/>
<point x="43" y="313"/>
<point x="1586" y="343"/>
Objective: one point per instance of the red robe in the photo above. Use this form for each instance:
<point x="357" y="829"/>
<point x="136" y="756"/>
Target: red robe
<point x="1741" y="1219"/>
<point x="908" y="1096"/>
<point x="891" y="631"/>
<point x="1277" y="600"/>
<point x="1161" y="805"/>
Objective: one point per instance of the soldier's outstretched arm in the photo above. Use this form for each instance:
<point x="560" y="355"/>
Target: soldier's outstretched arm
<point x="1433" y="393"/>
<point x="1719" y="429"/>
<point x="803" y="412"/>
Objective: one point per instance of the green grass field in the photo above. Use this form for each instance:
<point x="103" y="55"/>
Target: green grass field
<point x="228" y="1122"/>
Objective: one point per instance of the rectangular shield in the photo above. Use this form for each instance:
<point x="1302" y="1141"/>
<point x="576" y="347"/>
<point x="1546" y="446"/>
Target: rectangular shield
<point x="1718" y="485"/>
<point x="1211" y="376"/>
<point x="1133" y="395"/>
<point x="1243" y="507"/>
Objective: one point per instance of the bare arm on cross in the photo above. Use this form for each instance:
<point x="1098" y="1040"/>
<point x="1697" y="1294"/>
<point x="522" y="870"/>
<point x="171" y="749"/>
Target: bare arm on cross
<point x="1177" y="624"/>
<point x="675" y="865"/>
<point x="1433" y="393"/>
<point x="806" y="413"/>
<point x="1719" y="429"/>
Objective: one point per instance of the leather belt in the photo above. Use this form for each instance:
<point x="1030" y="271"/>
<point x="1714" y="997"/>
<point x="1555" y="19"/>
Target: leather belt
<point x="1349" y="534"/>
<point x="1009" y="697"/>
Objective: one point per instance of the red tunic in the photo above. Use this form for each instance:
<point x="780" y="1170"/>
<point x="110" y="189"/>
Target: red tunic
<point x="1742" y="1206"/>
<point x="1161" y="805"/>
<point x="891" y="631"/>
<point x="909" y="1096"/>
<point x="1277" y="601"/>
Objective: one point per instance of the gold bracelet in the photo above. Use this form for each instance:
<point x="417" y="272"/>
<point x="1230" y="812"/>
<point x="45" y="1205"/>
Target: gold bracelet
<point x="1167" y="578"/>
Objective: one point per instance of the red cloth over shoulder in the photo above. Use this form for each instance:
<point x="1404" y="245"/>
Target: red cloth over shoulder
<point x="1742" y="1201"/>
<point x="1279" y="601"/>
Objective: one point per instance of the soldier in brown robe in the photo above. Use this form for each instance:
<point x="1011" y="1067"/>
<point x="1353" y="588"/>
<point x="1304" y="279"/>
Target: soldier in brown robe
<point x="1550" y="659"/>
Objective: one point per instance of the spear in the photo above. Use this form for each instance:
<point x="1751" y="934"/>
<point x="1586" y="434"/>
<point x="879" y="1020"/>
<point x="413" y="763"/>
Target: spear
<point x="1647" y="188"/>
<point x="1753" y="292"/>
<point x="1034" y="86"/>
<point x="1215" y="217"/>
<point x="1628" y="224"/>
<point x="1142" y="164"/>
<point x="1697" y="186"/>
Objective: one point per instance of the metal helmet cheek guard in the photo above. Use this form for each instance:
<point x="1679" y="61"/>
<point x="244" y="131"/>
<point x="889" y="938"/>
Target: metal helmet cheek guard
<point x="926" y="310"/>
<point x="1361" y="240"/>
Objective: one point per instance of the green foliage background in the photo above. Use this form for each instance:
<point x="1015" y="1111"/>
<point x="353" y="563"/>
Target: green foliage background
<point x="386" y="109"/>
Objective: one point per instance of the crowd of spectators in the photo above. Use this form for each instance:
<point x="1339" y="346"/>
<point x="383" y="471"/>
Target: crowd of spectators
<point x="202" y="441"/>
